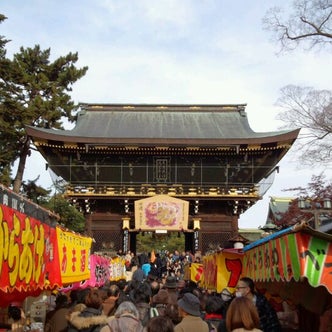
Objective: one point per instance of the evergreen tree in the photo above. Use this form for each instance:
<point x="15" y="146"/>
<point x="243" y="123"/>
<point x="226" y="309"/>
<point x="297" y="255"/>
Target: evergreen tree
<point x="34" y="92"/>
<point x="6" y="150"/>
<point x="70" y="217"/>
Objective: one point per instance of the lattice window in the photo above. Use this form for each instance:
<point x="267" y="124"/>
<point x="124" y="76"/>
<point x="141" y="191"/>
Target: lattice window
<point x="107" y="240"/>
<point x="161" y="169"/>
<point x="211" y="241"/>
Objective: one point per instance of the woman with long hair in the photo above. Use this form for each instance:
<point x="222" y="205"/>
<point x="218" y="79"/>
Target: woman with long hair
<point x="242" y="315"/>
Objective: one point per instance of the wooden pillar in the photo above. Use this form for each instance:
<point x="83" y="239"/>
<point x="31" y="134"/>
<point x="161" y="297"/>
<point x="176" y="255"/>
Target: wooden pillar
<point x="235" y="225"/>
<point x="189" y="242"/>
<point x="88" y="224"/>
<point x="132" y="241"/>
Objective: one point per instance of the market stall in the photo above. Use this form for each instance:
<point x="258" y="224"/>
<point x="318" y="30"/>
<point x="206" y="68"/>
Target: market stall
<point x="29" y="262"/>
<point x="37" y="256"/>
<point x="295" y="264"/>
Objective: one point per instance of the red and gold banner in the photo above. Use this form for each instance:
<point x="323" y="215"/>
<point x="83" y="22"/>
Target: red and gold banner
<point x="28" y="253"/>
<point x="291" y="256"/>
<point x="222" y="270"/>
<point x="161" y="212"/>
<point x="74" y="253"/>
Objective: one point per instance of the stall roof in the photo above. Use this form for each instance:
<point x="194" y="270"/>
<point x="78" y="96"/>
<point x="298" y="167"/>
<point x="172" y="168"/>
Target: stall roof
<point x="291" y="254"/>
<point x="299" y="227"/>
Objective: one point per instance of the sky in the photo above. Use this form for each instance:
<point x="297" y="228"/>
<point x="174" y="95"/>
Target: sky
<point x="173" y="52"/>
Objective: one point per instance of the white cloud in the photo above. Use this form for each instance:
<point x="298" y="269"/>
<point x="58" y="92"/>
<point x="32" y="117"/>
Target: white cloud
<point x="169" y="51"/>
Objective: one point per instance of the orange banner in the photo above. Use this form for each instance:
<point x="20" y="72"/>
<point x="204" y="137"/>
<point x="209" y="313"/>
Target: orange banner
<point x="74" y="253"/>
<point x="28" y="253"/>
<point x="161" y="212"/>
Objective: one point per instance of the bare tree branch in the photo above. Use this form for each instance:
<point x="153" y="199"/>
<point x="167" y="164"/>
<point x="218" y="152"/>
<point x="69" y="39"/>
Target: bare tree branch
<point x="309" y="24"/>
<point x="310" y="110"/>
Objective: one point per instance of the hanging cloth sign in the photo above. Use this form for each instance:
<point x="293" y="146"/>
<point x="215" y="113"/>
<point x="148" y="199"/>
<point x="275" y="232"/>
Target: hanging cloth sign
<point x="100" y="274"/>
<point x="117" y="268"/>
<point x="222" y="270"/>
<point x="74" y="252"/>
<point x="28" y="253"/>
<point x="294" y="255"/>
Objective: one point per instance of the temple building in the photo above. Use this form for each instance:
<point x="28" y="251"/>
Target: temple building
<point x="186" y="168"/>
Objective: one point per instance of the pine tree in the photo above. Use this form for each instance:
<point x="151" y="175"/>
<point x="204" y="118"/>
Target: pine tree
<point x="36" y="93"/>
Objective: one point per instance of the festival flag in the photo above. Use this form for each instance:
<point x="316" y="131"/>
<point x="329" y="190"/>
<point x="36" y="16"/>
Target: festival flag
<point x="74" y="253"/>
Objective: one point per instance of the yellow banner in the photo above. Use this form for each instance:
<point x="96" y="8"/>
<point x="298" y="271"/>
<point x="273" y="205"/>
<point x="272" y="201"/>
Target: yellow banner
<point x="196" y="273"/>
<point x="222" y="270"/>
<point x="117" y="268"/>
<point x="161" y="212"/>
<point x="74" y="253"/>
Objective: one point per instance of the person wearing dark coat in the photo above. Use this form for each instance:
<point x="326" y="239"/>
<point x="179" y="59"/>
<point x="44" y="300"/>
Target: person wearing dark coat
<point x="268" y="318"/>
<point x="141" y="296"/>
<point x="55" y="320"/>
<point x="214" y="308"/>
<point x="88" y="317"/>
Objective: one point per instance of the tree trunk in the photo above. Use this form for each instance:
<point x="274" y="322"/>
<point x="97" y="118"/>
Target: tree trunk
<point x="21" y="166"/>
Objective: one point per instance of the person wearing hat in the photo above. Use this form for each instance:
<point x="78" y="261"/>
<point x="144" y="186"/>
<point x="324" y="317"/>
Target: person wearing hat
<point x="189" y="309"/>
<point x="171" y="285"/>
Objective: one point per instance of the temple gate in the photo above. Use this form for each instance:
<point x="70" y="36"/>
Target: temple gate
<point x="205" y="155"/>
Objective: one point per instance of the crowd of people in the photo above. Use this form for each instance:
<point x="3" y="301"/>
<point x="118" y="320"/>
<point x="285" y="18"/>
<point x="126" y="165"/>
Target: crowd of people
<point x="160" y="264"/>
<point x="158" y="299"/>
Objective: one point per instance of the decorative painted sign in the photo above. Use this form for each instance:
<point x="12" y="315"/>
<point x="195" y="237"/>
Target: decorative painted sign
<point x="291" y="256"/>
<point x="161" y="212"/>
<point x="28" y="253"/>
<point x="74" y="253"/>
<point x="100" y="272"/>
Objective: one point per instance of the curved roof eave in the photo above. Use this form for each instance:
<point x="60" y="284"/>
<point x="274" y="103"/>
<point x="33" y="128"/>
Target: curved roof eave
<point x="252" y="138"/>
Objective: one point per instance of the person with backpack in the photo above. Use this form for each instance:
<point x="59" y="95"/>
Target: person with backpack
<point x="159" y="303"/>
<point x="141" y="296"/>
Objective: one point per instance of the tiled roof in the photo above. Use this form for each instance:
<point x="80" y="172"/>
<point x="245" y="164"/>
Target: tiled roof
<point x="200" y="124"/>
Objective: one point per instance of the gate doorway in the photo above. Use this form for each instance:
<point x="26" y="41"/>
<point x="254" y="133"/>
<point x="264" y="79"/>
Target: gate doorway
<point x="148" y="241"/>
